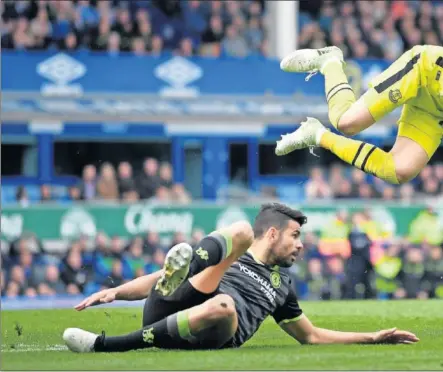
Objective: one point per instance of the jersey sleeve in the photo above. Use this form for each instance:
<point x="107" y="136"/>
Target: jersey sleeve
<point x="289" y="311"/>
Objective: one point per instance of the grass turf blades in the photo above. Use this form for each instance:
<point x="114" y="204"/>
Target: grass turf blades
<point x="31" y="340"/>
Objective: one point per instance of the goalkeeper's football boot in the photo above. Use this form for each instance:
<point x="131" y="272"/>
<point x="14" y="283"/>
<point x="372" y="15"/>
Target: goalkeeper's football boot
<point x="308" y="135"/>
<point x="79" y="341"/>
<point x="310" y="60"/>
<point x="175" y="269"/>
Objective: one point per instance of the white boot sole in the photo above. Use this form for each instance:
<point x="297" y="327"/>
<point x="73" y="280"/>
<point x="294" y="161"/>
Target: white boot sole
<point x="175" y="269"/>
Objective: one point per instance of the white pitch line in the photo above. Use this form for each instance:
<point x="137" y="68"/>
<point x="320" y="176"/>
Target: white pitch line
<point x="26" y="348"/>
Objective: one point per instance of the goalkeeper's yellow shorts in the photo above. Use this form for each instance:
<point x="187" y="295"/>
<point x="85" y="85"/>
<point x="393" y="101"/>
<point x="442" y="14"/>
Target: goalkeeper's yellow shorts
<point x="415" y="81"/>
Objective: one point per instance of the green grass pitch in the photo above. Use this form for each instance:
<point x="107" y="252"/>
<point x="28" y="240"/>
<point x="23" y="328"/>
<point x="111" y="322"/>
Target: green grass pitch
<point x="39" y="345"/>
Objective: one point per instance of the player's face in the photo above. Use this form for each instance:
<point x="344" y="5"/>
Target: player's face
<point x="288" y="245"/>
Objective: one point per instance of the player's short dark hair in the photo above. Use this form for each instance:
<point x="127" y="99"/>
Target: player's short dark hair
<point x="276" y="215"/>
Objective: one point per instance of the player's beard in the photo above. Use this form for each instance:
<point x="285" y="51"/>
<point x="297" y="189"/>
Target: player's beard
<point x="279" y="260"/>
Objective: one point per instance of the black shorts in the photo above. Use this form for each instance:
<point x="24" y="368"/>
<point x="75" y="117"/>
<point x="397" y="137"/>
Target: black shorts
<point x="158" y="307"/>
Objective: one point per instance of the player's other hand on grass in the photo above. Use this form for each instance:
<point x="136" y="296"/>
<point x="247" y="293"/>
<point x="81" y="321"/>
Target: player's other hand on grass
<point x="102" y="297"/>
<point x="395" y="336"/>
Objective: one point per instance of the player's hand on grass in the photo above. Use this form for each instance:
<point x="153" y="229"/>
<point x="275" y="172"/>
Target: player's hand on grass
<point x="394" y="336"/>
<point x="102" y="297"/>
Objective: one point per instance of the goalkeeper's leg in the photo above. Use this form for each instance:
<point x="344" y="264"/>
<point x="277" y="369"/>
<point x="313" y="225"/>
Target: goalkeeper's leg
<point x="395" y="86"/>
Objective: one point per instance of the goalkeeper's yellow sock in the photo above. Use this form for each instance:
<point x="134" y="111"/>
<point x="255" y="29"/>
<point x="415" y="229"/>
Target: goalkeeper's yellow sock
<point x="364" y="156"/>
<point x="339" y="93"/>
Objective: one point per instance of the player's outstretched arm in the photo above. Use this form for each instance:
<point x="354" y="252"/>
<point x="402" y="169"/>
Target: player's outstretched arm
<point x="136" y="289"/>
<point x="306" y="333"/>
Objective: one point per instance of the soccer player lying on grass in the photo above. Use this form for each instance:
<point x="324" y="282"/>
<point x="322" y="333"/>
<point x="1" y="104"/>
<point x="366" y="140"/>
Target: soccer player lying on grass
<point x="217" y="295"/>
<point x="414" y="81"/>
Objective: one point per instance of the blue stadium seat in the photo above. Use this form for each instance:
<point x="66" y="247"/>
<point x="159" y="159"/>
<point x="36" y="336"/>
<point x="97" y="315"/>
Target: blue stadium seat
<point x="292" y="193"/>
<point x="33" y="192"/>
<point x="8" y="194"/>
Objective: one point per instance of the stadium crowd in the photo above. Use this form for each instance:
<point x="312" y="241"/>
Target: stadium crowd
<point x="335" y="184"/>
<point x="353" y="256"/>
<point x="194" y="27"/>
<point x="379" y="29"/>
<point x="154" y="183"/>
<point x="29" y="270"/>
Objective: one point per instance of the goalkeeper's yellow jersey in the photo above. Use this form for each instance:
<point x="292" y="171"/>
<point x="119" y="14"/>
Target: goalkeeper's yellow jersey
<point x="414" y="81"/>
<point x="430" y="82"/>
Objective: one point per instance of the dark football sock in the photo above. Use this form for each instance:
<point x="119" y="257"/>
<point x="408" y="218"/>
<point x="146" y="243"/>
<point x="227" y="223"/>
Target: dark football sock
<point x="170" y="333"/>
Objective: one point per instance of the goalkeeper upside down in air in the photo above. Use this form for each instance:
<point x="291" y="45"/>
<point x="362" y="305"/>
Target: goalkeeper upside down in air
<point x="216" y="296"/>
<point x="414" y="81"/>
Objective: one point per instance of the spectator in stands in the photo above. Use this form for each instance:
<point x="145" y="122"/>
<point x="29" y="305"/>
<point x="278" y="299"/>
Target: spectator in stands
<point x="358" y="265"/>
<point x="162" y="195"/>
<point x="156" y="263"/>
<point x="126" y="181"/>
<point x="133" y="258"/>
<point x="358" y="178"/>
<point x="2" y="282"/>
<point x="74" y="194"/>
<point x="431" y="187"/>
<point x="179" y="194"/>
<point x="336" y="277"/>
<point x="88" y="186"/>
<point x="165" y="173"/>
<point x="114" y="43"/>
<point x="365" y="191"/>
<point x="156" y="46"/>
<point x="234" y="44"/>
<point x="144" y="30"/>
<point x="412" y="275"/>
<point x="100" y="35"/>
<point x="186" y="47"/>
<point x="178" y="237"/>
<point x="335" y="177"/>
<point x="52" y="284"/>
<point x="18" y="284"/>
<point x="148" y="181"/>
<point x="214" y="33"/>
<point x="138" y="47"/>
<point x="317" y="187"/>
<point x="388" y="194"/>
<point x="116" y="277"/>
<point x="197" y="236"/>
<point x="406" y="193"/>
<point x="151" y="243"/>
<point x="72" y="273"/>
<point x="344" y="190"/>
<point x="21" y="196"/>
<point x="32" y="270"/>
<point x="45" y="194"/>
<point x="124" y="27"/>
<point x="131" y="197"/>
<point x="434" y="273"/>
<point x="41" y="29"/>
<point x="88" y="15"/>
<point x="13" y="289"/>
<point x="104" y="25"/>
<point x="380" y="23"/>
<point x="194" y="19"/>
<point x="438" y="174"/>
<point x="101" y="243"/>
<point x="254" y="34"/>
<point x="316" y="279"/>
<point x="69" y="43"/>
<point x="107" y="186"/>
<point x="116" y="247"/>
